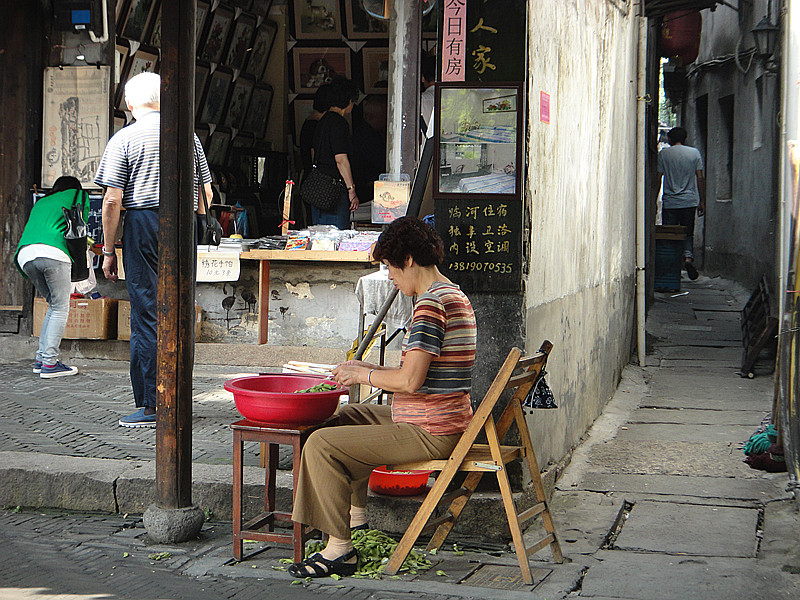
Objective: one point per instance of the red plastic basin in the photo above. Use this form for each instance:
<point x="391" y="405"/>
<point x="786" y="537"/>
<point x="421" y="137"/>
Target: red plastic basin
<point x="271" y="398"/>
<point x="398" y="483"/>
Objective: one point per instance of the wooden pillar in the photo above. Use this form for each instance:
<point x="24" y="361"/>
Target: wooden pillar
<point x="176" y="268"/>
<point x="405" y="46"/>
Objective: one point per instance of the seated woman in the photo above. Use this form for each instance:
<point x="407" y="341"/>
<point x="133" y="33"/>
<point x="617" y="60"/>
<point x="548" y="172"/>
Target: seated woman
<point x="430" y="409"/>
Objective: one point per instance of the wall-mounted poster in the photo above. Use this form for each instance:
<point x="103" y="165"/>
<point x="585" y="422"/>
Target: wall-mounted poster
<point x="262" y="46"/>
<point x="376" y="70"/>
<point x="361" y="26"/>
<point x="255" y="120"/>
<point x="240" y="41"/>
<point x="218" y="145"/>
<point x="317" y="19"/>
<point x="240" y="98"/>
<point x="137" y="19"/>
<point x="217" y="35"/>
<point x="155" y="34"/>
<point x="217" y="93"/>
<point x="76" y="122"/>
<point x="314" y="67"/>
<point x="200" y="20"/>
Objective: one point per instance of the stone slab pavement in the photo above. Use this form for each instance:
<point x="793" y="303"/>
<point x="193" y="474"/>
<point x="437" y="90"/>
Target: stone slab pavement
<point x="656" y="502"/>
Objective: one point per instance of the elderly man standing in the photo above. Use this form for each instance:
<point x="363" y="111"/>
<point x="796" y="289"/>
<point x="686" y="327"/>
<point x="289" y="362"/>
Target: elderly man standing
<point x="129" y="172"/>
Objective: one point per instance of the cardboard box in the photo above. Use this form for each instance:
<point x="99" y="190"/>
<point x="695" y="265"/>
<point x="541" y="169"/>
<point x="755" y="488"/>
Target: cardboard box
<point x="124" y="320"/>
<point x="88" y="319"/>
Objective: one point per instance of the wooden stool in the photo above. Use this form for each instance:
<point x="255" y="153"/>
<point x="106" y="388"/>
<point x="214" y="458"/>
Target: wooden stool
<point x="270" y="437"/>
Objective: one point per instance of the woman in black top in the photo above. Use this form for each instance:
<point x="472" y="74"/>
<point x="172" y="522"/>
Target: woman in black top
<point x="333" y="148"/>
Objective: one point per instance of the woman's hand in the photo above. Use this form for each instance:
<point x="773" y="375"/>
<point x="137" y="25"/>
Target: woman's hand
<point x="353" y="201"/>
<point x="351" y="372"/>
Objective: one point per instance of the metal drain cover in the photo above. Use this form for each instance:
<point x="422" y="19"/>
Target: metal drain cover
<point x="503" y="577"/>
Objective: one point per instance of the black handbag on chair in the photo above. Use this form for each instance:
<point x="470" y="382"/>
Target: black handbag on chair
<point x="321" y="191"/>
<point x="75" y="237"/>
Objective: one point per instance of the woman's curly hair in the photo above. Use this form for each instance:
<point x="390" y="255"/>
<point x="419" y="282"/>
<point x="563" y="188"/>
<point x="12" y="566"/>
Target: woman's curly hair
<point x="409" y="236"/>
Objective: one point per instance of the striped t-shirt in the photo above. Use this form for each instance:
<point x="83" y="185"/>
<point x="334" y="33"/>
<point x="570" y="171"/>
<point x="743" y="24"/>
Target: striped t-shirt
<point x="131" y="163"/>
<point x="443" y="324"/>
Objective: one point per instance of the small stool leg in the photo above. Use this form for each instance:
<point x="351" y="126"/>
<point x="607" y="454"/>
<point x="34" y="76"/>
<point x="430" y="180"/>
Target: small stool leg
<point x="237" y="495"/>
<point x="298" y="529"/>
<point x="269" y="484"/>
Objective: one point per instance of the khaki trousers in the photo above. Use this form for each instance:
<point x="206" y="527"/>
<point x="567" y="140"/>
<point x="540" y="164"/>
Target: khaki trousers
<point x="337" y="461"/>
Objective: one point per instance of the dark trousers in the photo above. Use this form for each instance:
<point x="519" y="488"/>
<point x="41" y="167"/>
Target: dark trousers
<point x="140" y="256"/>
<point x="685" y="217"/>
<point x="340" y="216"/>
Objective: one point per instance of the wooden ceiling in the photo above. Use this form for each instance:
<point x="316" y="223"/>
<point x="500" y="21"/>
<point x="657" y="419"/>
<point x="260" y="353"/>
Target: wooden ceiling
<point x="658" y="8"/>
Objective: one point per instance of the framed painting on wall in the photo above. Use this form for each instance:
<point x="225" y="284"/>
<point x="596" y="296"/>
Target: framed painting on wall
<point x="262" y="46"/>
<point x="314" y="67"/>
<point x="260" y="8"/>
<point x="155" y="32"/>
<point x="240" y="41"/>
<point x="217" y="94"/>
<point x="143" y="62"/>
<point x="255" y="120"/>
<point x="200" y="20"/>
<point x="218" y="144"/>
<point x="240" y="99"/>
<point x="361" y="26"/>
<point x="200" y="78"/>
<point x="137" y="19"/>
<point x="376" y="70"/>
<point x="217" y="35"/>
<point x="319" y="19"/>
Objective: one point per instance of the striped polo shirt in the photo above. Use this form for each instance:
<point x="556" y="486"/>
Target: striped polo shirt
<point x="443" y="324"/>
<point x="131" y="163"/>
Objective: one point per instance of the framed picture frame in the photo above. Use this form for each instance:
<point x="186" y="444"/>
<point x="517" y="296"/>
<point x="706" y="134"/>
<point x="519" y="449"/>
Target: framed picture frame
<point x="200" y="20"/>
<point x="202" y="132"/>
<point x="137" y="19"/>
<point x="507" y="103"/>
<point x="302" y="108"/>
<point x="376" y="70"/>
<point x="217" y="36"/>
<point x="314" y="67"/>
<point x="243" y="140"/>
<point x="142" y="62"/>
<point x="361" y="26"/>
<point x="214" y="102"/>
<point x="262" y="46"/>
<point x="200" y="78"/>
<point x="240" y="41"/>
<point x="154" y="39"/>
<point x="120" y="9"/>
<point x="239" y="102"/>
<point x="478" y="151"/>
<point x="243" y="4"/>
<point x="218" y="146"/>
<point x="260" y="8"/>
<point x="122" y="51"/>
<point x="255" y="120"/>
<point x="320" y="20"/>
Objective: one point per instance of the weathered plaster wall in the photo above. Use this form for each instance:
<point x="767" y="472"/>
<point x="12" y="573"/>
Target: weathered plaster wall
<point x="581" y="197"/>
<point x="741" y="225"/>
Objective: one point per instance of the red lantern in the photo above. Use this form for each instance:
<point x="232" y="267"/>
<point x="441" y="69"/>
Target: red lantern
<point x="680" y="35"/>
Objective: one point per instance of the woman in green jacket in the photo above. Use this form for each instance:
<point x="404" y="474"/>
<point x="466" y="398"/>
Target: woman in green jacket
<point x="42" y="256"/>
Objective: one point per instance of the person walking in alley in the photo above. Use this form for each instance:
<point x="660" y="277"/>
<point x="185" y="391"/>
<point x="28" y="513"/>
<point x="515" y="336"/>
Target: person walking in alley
<point x="684" y="190"/>
<point x="42" y="256"/>
<point x="129" y="172"/>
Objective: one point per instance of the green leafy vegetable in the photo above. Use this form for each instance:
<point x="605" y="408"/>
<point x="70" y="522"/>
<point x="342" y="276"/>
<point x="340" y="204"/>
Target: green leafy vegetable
<point x="320" y="387"/>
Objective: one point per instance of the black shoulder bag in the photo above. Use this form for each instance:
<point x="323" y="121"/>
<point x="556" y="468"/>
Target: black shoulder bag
<point x="75" y="237"/>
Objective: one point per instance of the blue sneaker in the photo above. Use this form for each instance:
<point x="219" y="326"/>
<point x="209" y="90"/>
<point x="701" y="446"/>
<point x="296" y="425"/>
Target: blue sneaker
<point x="37" y="366"/>
<point x="57" y="370"/>
<point x="138" y="419"/>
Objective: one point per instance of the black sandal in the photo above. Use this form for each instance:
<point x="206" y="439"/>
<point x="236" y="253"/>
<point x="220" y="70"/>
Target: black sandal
<point x="322" y="567"/>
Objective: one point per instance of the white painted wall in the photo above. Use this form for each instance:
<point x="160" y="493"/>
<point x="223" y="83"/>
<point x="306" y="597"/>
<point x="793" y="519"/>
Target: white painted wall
<point x="581" y="195"/>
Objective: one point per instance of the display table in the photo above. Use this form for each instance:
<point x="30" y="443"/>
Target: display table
<point x="265" y="256"/>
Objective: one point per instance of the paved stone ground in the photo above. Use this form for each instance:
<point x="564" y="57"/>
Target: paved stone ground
<point x="77" y="416"/>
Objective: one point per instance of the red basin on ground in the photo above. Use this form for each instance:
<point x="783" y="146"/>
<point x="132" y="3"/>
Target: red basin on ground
<point x="272" y="399"/>
<point x="398" y="483"/>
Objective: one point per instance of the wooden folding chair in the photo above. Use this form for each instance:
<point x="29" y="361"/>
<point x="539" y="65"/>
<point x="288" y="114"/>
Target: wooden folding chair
<point x="478" y="459"/>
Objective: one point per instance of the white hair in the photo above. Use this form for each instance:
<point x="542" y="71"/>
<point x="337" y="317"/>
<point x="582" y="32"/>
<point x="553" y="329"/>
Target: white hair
<point x="143" y="90"/>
